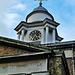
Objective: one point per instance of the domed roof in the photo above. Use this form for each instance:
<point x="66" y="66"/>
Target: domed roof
<point x="34" y="15"/>
<point x="40" y="8"/>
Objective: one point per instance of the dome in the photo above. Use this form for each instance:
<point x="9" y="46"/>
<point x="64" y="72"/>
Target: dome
<point x="38" y="14"/>
<point x="40" y="8"/>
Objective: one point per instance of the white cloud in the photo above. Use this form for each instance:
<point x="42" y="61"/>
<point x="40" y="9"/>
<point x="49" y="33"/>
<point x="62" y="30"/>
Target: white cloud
<point x="9" y="19"/>
<point x="4" y="7"/>
<point x="20" y="7"/>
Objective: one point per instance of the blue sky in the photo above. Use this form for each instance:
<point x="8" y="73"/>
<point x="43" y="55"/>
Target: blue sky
<point x="12" y="12"/>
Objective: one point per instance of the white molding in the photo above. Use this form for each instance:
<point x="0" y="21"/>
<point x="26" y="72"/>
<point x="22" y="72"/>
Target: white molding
<point x="51" y="26"/>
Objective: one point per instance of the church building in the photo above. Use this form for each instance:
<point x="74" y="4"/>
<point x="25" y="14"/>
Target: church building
<point x="39" y="49"/>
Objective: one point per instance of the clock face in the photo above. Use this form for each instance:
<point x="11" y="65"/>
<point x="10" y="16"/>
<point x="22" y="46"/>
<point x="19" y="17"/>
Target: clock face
<point x="35" y="35"/>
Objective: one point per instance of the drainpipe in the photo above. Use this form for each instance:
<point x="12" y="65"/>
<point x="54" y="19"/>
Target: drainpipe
<point x="73" y="60"/>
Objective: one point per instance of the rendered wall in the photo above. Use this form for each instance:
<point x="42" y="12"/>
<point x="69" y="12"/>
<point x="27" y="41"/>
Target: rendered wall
<point x="23" y="67"/>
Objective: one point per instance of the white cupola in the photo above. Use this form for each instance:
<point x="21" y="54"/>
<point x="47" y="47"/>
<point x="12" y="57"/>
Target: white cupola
<point x="40" y="27"/>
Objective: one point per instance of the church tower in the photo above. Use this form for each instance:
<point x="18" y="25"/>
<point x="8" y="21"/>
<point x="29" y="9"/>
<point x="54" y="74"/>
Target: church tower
<point x="40" y="27"/>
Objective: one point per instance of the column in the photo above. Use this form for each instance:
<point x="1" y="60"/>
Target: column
<point x="22" y="34"/>
<point x="43" y="36"/>
<point x="18" y="36"/>
<point x="54" y="36"/>
<point x="47" y="34"/>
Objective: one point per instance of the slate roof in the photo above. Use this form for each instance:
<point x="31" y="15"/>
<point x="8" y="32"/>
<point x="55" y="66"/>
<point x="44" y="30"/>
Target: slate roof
<point x="21" y="44"/>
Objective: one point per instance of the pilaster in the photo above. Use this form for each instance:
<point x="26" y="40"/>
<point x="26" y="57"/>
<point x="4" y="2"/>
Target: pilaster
<point x="22" y="34"/>
<point x="47" y="34"/>
<point x="42" y="35"/>
<point x="18" y="36"/>
<point x="54" y="36"/>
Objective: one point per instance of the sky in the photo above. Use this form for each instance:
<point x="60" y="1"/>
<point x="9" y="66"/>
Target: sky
<point x="12" y="12"/>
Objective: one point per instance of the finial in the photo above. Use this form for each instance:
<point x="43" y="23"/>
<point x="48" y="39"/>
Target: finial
<point x="40" y="4"/>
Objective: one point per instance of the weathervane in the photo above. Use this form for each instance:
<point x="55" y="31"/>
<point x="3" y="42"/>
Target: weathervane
<point x="40" y="1"/>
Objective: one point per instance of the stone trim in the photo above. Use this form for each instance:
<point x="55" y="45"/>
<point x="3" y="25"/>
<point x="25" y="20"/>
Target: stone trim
<point x="25" y="57"/>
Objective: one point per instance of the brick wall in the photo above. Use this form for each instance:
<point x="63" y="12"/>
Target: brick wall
<point x="6" y="50"/>
<point x="56" y="66"/>
<point x="69" y="62"/>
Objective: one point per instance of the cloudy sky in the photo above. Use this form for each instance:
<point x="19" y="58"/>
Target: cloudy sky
<point x="12" y="12"/>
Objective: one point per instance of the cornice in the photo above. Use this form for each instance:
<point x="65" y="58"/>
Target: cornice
<point x="36" y="24"/>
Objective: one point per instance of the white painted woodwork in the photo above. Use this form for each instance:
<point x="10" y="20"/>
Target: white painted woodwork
<point x="38" y="17"/>
<point x="18" y="36"/>
<point x="22" y="34"/>
<point x="47" y="34"/>
<point x="54" y="35"/>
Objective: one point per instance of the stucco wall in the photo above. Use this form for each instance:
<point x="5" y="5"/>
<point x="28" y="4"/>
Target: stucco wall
<point x="23" y="67"/>
<point x="41" y="74"/>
